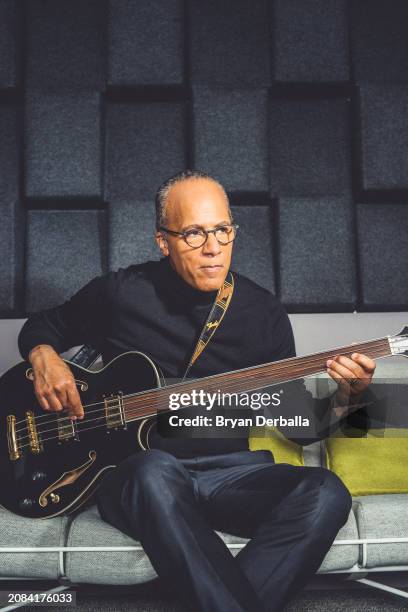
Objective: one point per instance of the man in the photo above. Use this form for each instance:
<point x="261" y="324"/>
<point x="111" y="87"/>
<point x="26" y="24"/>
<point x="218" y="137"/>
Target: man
<point x="174" y="496"/>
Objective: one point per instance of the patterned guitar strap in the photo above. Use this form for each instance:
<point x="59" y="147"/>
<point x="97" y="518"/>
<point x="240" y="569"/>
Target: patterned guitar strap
<point x="213" y="321"/>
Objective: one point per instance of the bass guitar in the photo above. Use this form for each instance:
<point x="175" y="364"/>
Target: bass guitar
<point x="51" y="465"/>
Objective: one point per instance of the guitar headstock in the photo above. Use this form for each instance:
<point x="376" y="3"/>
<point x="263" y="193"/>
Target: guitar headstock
<point x="399" y="343"/>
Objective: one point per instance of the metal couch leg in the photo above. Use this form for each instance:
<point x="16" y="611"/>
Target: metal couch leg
<point x="383" y="587"/>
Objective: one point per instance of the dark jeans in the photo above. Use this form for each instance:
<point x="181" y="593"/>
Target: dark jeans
<point x="172" y="506"/>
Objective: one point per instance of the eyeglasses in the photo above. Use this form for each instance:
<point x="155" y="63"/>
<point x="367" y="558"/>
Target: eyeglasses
<point x="197" y="236"/>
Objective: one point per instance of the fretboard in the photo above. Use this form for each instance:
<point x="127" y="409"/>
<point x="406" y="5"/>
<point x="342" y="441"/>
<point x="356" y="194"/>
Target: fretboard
<point x="148" y="403"/>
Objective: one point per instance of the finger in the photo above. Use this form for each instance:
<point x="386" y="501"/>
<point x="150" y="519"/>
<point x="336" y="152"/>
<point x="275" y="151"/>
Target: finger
<point x="366" y="363"/>
<point x="75" y="404"/>
<point x="346" y="380"/>
<point x="61" y="393"/>
<point x="339" y="379"/>
<point x="347" y="386"/>
<point x="42" y="401"/>
<point x="344" y="371"/>
<point x="53" y="402"/>
<point x="344" y="389"/>
<point x="354" y="367"/>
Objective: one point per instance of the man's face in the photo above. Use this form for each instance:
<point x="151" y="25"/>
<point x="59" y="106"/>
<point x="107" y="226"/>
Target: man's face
<point x="197" y="203"/>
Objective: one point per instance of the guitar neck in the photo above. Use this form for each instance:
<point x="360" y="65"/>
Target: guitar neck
<point x="148" y="403"/>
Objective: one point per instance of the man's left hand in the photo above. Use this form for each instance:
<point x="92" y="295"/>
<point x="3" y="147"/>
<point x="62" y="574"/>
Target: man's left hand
<point x="352" y="375"/>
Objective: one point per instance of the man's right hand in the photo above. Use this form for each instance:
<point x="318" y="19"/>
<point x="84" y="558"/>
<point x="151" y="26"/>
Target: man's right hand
<point x="54" y="383"/>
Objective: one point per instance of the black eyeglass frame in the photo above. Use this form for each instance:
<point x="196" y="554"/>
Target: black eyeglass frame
<point x="184" y="235"/>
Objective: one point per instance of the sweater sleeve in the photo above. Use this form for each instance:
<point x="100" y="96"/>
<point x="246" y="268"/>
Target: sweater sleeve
<point x="82" y="319"/>
<point x="296" y="400"/>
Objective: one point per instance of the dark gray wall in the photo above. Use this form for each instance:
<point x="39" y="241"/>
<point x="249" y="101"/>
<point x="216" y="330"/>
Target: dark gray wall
<point x="298" y="106"/>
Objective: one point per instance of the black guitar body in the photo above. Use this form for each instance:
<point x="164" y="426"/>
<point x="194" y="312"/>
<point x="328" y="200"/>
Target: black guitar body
<point x="49" y="466"/>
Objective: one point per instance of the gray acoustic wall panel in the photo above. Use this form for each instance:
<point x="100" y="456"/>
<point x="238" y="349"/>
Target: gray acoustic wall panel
<point x="9" y="27"/>
<point x="310" y="41"/>
<point x="131" y="233"/>
<point x="384" y="136"/>
<point x="65" y="249"/>
<point x="316" y="254"/>
<point x="63" y="145"/>
<point x="253" y="247"/>
<point x="146" y="42"/>
<point x="231" y="137"/>
<point x="10" y="254"/>
<point x="230" y="42"/>
<point x="65" y="45"/>
<point x="379" y="40"/>
<point x="111" y="97"/>
<point x="383" y="255"/>
<point x="9" y="152"/>
<point x="310" y="147"/>
<point x="11" y="228"/>
<point x="145" y="145"/>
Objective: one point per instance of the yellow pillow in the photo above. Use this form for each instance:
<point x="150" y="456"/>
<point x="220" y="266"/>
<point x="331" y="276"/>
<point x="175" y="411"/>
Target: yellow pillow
<point x="373" y="465"/>
<point x="271" y="439"/>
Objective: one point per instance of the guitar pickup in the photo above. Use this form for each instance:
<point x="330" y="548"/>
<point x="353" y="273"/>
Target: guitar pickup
<point x="66" y="429"/>
<point x="114" y="412"/>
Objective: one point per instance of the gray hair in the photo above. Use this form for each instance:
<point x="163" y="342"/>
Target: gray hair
<point x="163" y="192"/>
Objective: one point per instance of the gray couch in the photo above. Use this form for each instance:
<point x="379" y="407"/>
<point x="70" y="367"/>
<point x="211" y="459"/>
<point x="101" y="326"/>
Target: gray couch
<point x="84" y="549"/>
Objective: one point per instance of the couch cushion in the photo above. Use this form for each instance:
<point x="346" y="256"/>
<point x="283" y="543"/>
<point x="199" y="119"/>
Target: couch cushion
<point x="383" y="516"/>
<point x="88" y="529"/>
<point x="313" y="454"/>
<point x="370" y="465"/>
<point x="132" y="567"/>
<point x="16" y="531"/>
<point x="271" y="439"/>
<point x="343" y="556"/>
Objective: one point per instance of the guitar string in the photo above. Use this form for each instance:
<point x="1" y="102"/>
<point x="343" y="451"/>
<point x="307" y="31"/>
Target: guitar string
<point x="308" y="359"/>
<point x="164" y="390"/>
<point x="142" y="417"/>
<point x="81" y="430"/>
<point x="260" y="377"/>
<point x="131" y="414"/>
<point x="56" y="437"/>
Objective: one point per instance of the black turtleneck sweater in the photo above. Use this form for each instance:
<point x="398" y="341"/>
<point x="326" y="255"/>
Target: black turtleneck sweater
<point x="151" y="309"/>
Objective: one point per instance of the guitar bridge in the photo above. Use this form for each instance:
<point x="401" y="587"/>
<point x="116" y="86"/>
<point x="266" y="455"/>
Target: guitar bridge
<point x="13" y="445"/>
<point x="33" y="437"/>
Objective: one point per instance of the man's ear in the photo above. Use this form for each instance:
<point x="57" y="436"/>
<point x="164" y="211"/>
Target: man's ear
<point x="162" y="243"/>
